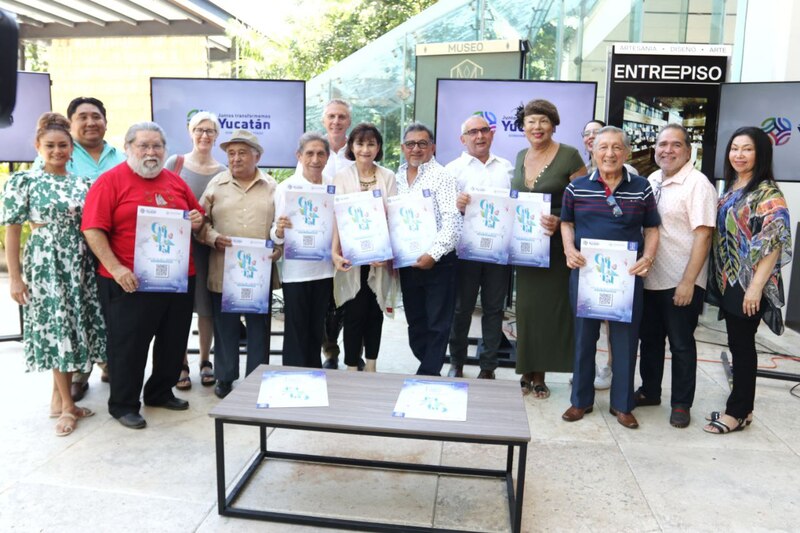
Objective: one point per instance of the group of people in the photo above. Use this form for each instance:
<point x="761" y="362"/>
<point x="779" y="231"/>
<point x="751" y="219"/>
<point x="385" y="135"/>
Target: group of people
<point x="80" y="184"/>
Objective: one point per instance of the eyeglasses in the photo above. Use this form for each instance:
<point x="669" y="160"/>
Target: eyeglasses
<point x="475" y="131"/>
<point x="200" y="132"/>
<point x="419" y="144"/>
<point x="615" y="208"/>
<point x="589" y="133"/>
<point x="147" y="147"/>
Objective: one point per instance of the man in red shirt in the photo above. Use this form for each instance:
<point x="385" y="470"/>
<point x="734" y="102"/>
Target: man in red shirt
<point x="134" y="318"/>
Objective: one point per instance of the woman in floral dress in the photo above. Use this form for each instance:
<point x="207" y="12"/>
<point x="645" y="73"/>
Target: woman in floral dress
<point x="63" y="327"/>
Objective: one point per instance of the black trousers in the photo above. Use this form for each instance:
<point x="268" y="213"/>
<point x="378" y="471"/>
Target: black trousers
<point x="662" y="319"/>
<point x="305" y="305"/>
<point x="334" y="321"/>
<point x="742" y="342"/>
<point x="363" y="323"/>
<point x="429" y="303"/>
<point x="132" y="321"/>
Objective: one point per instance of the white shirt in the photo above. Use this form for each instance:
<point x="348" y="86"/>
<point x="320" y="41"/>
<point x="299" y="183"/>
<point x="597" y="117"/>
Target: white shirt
<point x="470" y="172"/>
<point x="442" y="185"/>
<point x="685" y="201"/>
<point x="336" y="163"/>
<point x="296" y="270"/>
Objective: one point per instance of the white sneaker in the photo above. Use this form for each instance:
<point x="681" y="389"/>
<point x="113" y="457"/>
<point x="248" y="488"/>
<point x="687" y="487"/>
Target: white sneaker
<point x="602" y="379"/>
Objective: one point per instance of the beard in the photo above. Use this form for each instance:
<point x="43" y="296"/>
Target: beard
<point x="147" y="167"/>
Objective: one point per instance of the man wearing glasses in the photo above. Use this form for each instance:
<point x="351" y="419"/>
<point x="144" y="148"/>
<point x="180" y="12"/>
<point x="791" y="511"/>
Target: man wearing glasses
<point x="478" y="167"/>
<point x="609" y="204"/>
<point x="429" y="284"/>
<point x="134" y="318"/>
<point x="675" y="287"/>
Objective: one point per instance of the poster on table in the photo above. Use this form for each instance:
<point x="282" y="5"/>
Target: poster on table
<point x="412" y="226"/>
<point x="246" y="276"/>
<point x="286" y="388"/>
<point x="432" y="400"/>
<point x="529" y="244"/>
<point x="310" y="209"/>
<point x="363" y="232"/>
<point x="651" y="85"/>
<point x="488" y="220"/>
<point x="605" y="288"/>
<point x="161" y="249"/>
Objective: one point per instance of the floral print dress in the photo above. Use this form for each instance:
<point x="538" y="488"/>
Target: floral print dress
<point x="63" y="326"/>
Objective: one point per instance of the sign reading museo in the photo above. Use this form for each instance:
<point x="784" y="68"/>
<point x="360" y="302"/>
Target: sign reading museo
<point x="273" y="110"/>
<point x="652" y="85"/>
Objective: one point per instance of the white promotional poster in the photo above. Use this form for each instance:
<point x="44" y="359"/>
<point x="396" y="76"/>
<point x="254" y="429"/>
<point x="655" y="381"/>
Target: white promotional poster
<point x="487" y="226"/>
<point x="246" y="276"/>
<point x="310" y="209"/>
<point x="432" y="400"/>
<point x="272" y="110"/>
<point x="161" y="250"/>
<point x="412" y="226"/>
<point x="529" y="244"/>
<point x="363" y="232"/>
<point x="605" y="288"/>
<point x="293" y="389"/>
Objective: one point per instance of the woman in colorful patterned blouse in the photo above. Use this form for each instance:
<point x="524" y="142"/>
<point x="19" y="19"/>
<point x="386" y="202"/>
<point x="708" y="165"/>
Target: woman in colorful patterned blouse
<point x="751" y="242"/>
<point x="63" y="327"/>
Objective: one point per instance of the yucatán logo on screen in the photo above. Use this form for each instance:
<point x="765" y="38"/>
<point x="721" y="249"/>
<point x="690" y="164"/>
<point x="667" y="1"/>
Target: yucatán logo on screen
<point x="489" y="117"/>
<point x="779" y="129"/>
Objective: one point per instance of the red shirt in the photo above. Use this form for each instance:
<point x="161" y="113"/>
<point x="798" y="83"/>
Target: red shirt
<point x="112" y="201"/>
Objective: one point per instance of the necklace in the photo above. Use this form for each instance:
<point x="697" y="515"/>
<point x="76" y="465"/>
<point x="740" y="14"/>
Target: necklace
<point x="366" y="184"/>
<point x="531" y="183"/>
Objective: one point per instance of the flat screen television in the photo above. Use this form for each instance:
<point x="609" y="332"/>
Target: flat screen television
<point x="33" y="99"/>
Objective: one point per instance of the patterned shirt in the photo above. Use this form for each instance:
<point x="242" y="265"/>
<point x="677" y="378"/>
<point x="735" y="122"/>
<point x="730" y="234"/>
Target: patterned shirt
<point x="442" y="185"/>
<point x="469" y="171"/>
<point x="685" y="202"/>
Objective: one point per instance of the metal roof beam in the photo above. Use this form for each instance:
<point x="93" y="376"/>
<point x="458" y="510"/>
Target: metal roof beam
<point x="62" y="5"/>
<point x="188" y="14"/>
<point x="22" y="19"/>
<point x="152" y="14"/>
<point x="37" y="13"/>
<point x="190" y="6"/>
<point x="110" y="12"/>
<point x="146" y="28"/>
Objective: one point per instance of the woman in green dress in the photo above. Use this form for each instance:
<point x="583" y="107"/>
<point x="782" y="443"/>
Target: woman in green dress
<point x="544" y="316"/>
<point x="63" y="328"/>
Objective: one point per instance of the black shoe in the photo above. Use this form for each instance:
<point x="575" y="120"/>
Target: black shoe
<point x="456" y="371"/>
<point x="78" y="390"/>
<point x="486" y="374"/>
<point x="361" y="364"/>
<point x="223" y="388"/>
<point x="680" y="417"/>
<point x="173" y="404"/>
<point x="331" y="363"/>
<point x="132" y="421"/>
<point x="643" y="401"/>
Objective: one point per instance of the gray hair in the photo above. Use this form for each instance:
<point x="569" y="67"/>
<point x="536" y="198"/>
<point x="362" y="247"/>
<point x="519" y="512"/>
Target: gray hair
<point x="673" y="126"/>
<point x="311" y="136"/>
<point x="464" y="124"/>
<point x="200" y="116"/>
<point x="418" y="126"/>
<point x="130" y="136"/>
<point x="613" y="129"/>
<point x="338" y="101"/>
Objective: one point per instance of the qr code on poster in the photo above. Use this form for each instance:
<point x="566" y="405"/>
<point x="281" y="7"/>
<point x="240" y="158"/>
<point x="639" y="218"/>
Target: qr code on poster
<point x="606" y="299"/>
<point x="366" y="246"/>
<point x="246" y="294"/>
<point x="308" y="241"/>
<point x="526" y="248"/>
<point x="486" y="243"/>
<point x="162" y="271"/>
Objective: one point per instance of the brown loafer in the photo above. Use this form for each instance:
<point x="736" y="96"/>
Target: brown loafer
<point x="626" y="419"/>
<point x="456" y="371"/>
<point x="486" y="374"/>
<point x="573" y="414"/>
<point x="78" y="390"/>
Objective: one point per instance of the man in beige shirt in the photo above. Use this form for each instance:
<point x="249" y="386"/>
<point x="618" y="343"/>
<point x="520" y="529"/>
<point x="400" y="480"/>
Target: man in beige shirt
<point x="675" y="286"/>
<point x="239" y="202"/>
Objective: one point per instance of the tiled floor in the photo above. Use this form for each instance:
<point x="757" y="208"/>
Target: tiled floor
<point x="593" y="475"/>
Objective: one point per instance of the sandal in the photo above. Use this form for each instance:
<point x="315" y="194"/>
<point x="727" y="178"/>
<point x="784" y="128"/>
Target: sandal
<point x="527" y="386"/>
<point x="67" y="426"/>
<point x="716" y="414"/>
<point x="718" y="427"/>
<point x="184" y="382"/>
<point x="207" y="374"/>
<point x="541" y="391"/>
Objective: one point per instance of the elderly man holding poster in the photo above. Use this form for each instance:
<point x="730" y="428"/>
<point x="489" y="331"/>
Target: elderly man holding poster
<point x="239" y="202"/>
<point x="478" y="167"/>
<point x="610" y="208"/>
<point x="428" y="285"/>
<point x="115" y="204"/>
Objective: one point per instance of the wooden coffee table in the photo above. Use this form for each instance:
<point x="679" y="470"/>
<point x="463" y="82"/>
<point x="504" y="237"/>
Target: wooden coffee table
<point x="361" y="403"/>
